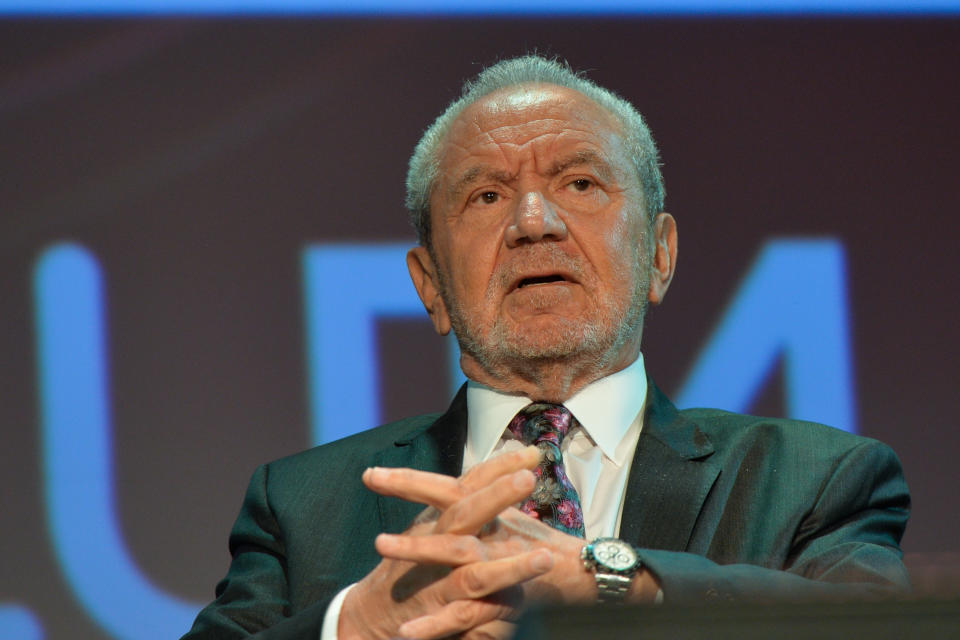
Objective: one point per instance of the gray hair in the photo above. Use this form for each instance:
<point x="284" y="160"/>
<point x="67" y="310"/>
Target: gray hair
<point x="532" y="69"/>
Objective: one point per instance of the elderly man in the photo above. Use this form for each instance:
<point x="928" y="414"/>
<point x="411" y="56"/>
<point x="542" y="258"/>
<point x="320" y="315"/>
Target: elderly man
<point x="538" y="201"/>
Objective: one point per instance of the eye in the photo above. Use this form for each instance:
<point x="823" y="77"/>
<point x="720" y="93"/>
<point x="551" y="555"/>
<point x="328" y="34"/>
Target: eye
<point x="488" y="197"/>
<point x="582" y="184"/>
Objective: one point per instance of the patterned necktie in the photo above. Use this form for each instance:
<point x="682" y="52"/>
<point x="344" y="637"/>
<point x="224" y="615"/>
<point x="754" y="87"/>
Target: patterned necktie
<point x="554" y="501"/>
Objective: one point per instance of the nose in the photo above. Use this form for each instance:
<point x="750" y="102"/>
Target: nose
<point x="535" y="219"/>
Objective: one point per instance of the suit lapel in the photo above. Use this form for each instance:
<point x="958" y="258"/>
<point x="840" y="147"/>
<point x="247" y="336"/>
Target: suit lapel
<point x="670" y="478"/>
<point x="437" y="448"/>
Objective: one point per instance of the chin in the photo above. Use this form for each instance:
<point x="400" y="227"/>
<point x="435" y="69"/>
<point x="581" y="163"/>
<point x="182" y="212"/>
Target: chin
<point x="561" y="340"/>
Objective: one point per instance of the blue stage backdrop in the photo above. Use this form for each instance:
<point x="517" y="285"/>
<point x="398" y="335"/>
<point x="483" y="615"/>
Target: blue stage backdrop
<point x="202" y="247"/>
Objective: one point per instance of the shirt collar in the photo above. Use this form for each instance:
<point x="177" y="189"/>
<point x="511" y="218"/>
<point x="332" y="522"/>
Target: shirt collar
<point x="605" y="408"/>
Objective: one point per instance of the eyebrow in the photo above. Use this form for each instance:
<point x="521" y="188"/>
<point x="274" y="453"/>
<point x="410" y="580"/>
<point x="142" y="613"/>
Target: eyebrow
<point x="486" y="172"/>
<point x="474" y="174"/>
<point x="580" y="158"/>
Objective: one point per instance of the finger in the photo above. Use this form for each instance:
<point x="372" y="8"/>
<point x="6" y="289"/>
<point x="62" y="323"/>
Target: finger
<point x="446" y="549"/>
<point x="493" y="630"/>
<point x="483" y="474"/>
<point x="440" y="491"/>
<point x="471" y="513"/>
<point x="467" y="614"/>
<point x="432" y="489"/>
<point x="462" y="615"/>
<point x="449" y="550"/>
<point x="481" y="579"/>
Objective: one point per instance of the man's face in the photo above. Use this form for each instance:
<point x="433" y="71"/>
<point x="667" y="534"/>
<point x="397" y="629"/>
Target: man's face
<point x="539" y="233"/>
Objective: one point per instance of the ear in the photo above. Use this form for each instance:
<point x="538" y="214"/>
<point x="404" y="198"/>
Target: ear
<point x="423" y="272"/>
<point x="664" y="229"/>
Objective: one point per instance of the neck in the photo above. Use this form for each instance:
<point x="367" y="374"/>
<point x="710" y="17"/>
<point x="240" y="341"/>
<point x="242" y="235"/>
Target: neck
<point x="549" y="379"/>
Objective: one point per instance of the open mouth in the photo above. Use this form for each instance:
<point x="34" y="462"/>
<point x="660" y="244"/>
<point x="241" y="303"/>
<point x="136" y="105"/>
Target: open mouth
<point x="528" y="282"/>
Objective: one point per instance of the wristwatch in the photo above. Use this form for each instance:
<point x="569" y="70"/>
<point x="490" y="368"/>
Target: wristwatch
<point x="613" y="563"/>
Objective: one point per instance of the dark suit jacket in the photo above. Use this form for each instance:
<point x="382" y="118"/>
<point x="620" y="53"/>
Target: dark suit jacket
<point x="723" y="506"/>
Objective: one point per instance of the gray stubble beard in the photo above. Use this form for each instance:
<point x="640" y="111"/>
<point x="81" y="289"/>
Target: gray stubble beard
<point x="587" y="344"/>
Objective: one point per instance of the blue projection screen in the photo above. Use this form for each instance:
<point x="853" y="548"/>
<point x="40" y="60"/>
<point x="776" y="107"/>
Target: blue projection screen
<point x="203" y="240"/>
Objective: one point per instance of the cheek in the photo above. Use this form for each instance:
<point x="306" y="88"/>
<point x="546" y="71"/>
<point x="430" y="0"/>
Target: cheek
<point x="470" y="266"/>
<point x="619" y="236"/>
<point x="624" y="245"/>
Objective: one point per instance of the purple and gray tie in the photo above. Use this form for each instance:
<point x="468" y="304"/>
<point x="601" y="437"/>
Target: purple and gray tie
<point x="554" y="501"/>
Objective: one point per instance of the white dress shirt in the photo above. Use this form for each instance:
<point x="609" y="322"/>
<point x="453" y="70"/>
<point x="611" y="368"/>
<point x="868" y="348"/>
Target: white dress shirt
<point x="596" y="456"/>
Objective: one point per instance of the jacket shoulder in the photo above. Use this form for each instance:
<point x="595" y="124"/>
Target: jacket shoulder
<point x="802" y="441"/>
<point x="719" y="422"/>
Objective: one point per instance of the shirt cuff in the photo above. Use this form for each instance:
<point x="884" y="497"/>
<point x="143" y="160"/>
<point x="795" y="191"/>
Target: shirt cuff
<point x="331" y="619"/>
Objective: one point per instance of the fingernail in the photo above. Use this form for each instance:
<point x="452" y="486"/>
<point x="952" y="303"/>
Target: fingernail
<point x="374" y="473"/>
<point x="383" y="541"/>
<point x="542" y="561"/>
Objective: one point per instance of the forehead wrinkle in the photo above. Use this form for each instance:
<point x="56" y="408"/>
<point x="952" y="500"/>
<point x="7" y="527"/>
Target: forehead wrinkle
<point x="524" y="132"/>
<point x="477" y="130"/>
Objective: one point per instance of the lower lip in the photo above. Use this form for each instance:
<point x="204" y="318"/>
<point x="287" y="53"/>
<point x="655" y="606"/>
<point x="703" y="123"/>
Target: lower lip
<point x="543" y="287"/>
<point x="540" y="298"/>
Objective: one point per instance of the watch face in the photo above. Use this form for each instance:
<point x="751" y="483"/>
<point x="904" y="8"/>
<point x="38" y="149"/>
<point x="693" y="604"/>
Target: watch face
<point x="614" y="554"/>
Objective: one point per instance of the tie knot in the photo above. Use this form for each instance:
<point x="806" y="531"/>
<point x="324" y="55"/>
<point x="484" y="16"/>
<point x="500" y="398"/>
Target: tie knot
<point x="542" y="422"/>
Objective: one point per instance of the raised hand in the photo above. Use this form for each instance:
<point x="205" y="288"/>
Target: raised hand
<point x="510" y="534"/>
<point x="448" y="596"/>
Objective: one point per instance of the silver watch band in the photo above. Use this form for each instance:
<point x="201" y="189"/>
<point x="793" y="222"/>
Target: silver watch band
<point x="611" y="587"/>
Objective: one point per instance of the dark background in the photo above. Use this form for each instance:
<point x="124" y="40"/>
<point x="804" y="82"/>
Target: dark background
<point x="197" y="158"/>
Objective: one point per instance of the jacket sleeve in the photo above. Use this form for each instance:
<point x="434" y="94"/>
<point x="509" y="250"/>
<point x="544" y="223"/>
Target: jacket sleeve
<point x="847" y="544"/>
<point x="254" y="595"/>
